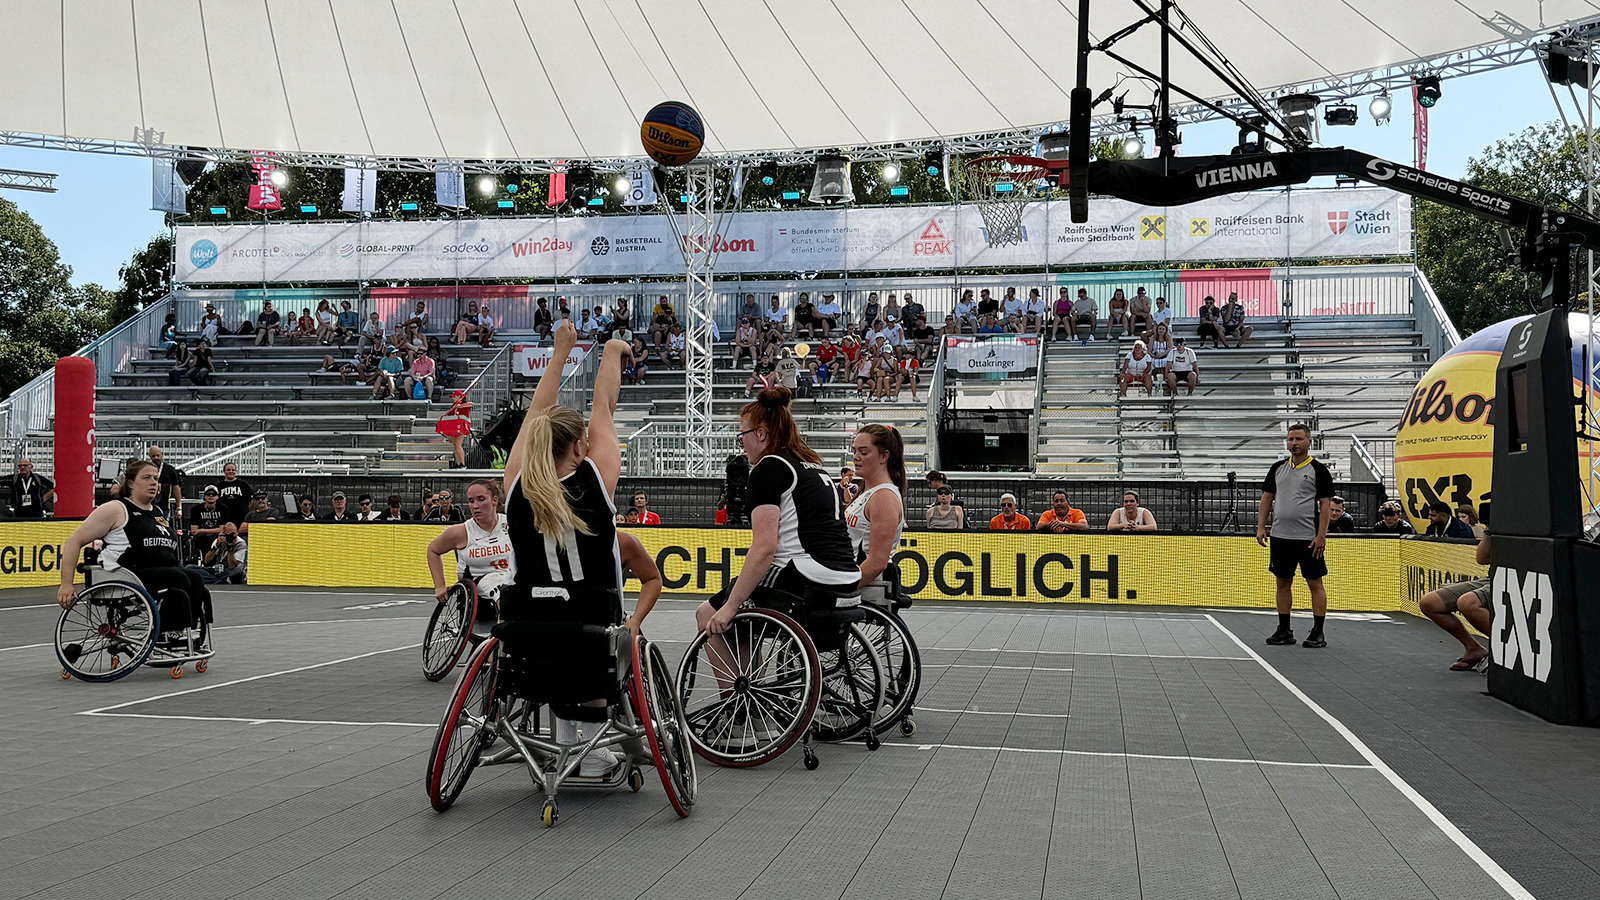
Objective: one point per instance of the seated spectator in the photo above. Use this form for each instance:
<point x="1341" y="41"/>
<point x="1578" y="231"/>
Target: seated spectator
<point x="936" y="480"/>
<point x="805" y="316"/>
<point x="196" y="366"/>
<point x="205" y="521"/>
<point x="1136" y="369"/>
<point x="1033" y="312"/>
<point x="1160" y="348"/>
<point x="761" y="377"/>
<point x="633" y="365"/>
<point x="911" y="311"/>
<point x="893" y="333"/>
<point x="1009" y="519"/>
<point x="1139" y="312"/>
<point x="389" y="369"/>
<point x="776" y="316"/>
<point x="1012" y="325"/>
<point x="348" y="323"/>
<point x="677" y="343"/>
<point x="910" y="374"/>
<point x="412" y="341"/>
<point x="305" y="328"/>
<point x="418" y="317"/>
<point x="1443" y="523"/>
<point x="586" y="325"/>
<point x="641" y="505"/>
<point x="944" y="515"/>
<point x="631" y="517"/>
<point x="1391" y="520"/>
<point x="1085" y="317"/>
<point x="260" y="511"/>
<point x="1467" y="514"/>
<point x="1116" y="316"/>
<point x="343" y="368"/>
<point x="372" y="336"/>
<point x="307" y="511"/>
<point x="602" y="323"/>
<point x="169" y="335"/>
<point x="661" y="324"/>
<point x="823" y="364"/>
<point x="441" y="507"/>
<point x="1339" y="521"/>
<point x="267" y="325"/>
<point x="951" y="329"/>
<point x="211" y="325"/>
<point x="745" y="340"/>
<point x="543" y="324"/>
<point x="393" y="512"/>
<point x="1210" y="323"/>
<point x="1183" y="367"/>
<point x="870" y="312"/>
<point x="829" y="314"/>
<point x="421" y="372"/>
<point x="750" y="309"/>
<point x="1061" y="516"/>
<point x="987" y="305"/>
<point x="364" y="510"/>
<point x="340" y="511"/>
<point x="1471" y="599"/>
<point x="990" y="325"/>
<point x="1233" y="324"/>
<point x="1158" y="317"/>
<point x="886" y="375"/>
<point x="224" y="560"/>
<point x="327" y="322"/>
<point x="1062" y="316"/>
<point x="891" y="308"/>
<point x="486" y="325"/>
<point x="1130" y="516"/>
<point x="1012" y="305"/>
<point x="966" y="313"/>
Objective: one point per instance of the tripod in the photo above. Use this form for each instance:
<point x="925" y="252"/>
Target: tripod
<point x="1230" y="522"/>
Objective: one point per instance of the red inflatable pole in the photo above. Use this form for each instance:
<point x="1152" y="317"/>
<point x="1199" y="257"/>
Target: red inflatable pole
<point x="74" y="437"/>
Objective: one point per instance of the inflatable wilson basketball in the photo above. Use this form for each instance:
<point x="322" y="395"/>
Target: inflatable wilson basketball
<point x="672" y="133"/>
<point x="1444" y="449"/>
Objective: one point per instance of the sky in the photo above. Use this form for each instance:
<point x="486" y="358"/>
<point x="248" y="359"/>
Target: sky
<point x="100" y="213"/>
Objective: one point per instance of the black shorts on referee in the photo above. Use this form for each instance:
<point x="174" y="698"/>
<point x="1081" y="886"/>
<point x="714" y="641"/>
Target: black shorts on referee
<point x="1287" y="553"/>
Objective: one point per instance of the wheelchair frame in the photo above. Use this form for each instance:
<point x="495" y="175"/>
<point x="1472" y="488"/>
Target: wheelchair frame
<point x="197" y="650"/>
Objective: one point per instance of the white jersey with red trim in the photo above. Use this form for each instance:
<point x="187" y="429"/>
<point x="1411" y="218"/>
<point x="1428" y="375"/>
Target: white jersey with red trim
<point x="488" y="557"/>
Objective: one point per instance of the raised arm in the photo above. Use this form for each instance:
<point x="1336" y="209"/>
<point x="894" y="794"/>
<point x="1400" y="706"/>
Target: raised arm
<point x="603" y="447"/>
<point x="544" y="396"/>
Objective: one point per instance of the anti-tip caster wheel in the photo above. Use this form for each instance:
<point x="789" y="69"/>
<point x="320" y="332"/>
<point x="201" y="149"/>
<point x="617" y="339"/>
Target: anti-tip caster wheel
<point x="811" y="760"/>
<point x="177" y="672"/>
<point x="202" y="665"/>
<point x="872" y="741"/>
<point x="908" y="727"/>
<point x="635" y="779"/>
<point x="551" y="814"/>
<point x="115" y="662"/>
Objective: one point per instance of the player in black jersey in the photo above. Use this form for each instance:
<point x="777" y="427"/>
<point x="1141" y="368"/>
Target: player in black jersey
<point x="138" y="537"/>
<point x="798" y="540"/>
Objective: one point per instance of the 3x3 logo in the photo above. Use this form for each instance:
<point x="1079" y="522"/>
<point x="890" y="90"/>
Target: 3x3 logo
<point x="1524" y="605"/>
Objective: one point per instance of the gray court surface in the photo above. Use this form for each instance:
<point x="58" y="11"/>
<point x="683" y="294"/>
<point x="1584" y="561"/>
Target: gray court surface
<point x="1061" y="751"/>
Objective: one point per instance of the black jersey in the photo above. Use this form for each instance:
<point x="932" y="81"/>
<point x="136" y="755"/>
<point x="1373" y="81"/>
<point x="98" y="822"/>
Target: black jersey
<point x="578" y="562"/>
<point x="811" y="527"/>
<point x="144" y="541"/>
<point x="234" y="499"/>
<point x="201" y="517"/>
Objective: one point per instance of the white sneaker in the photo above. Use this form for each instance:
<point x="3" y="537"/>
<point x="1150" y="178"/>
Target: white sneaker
<point x="598" y="763"/>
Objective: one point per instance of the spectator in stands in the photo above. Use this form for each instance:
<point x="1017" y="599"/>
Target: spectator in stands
<point x="910" y="374"/>
<point x="414" y="343"/>
<point x="943" y="514"/>
<point x="1160" y="348"/>
<point x="750" y="308"/>
<point x="225" y="559"/>
<point x="1012" y="305"/>
<point x="925" y="340"/>
<point x="989" y="326"/>
<point x="364" y="510"/>
<point x="1139" y="312"/>
<point x="987" y="305"/>
<point x="1339" y="521"/>
<point x="327" y="321"/>
<point x="1391" y="520"/>
<point x="30" y="491"/>
<point x="1467" y="514"/>
<point x="1061" y="315"/>
<point x="260" y="511"/>
<point x="305" y="328"/>
<point x="372" y="336"/>
<point x="1233" y="324"/>
<point x="1009" y="519"/>
<point x="446" y="510"/>
<point x="893" y="332"/>
<point x="1061" y="516"/>
<point x="307" y="511"/>
<point x="1210" y="323"/>
<point x="1443" y="523"/>
<point x="211" y="325"/>
<point x="761" y="377"/>
<point x="205" y="521"/>
<point x="421" y="372"/>
<point x="966" y="314"/>
<point x="661" y="324"/>
<point x="1130" y="516"/>
<point x="936" y="480"/>
<point x="805" y="316"/>
<point x="389" y="369"/>
<point x="343" y="368"/>
<point x="1085" y="317"/>
<point x="543" y="322"/>
<point x="1297" y="493"/>
<point x="340" y="511"/>
<point x="1183" y="368"/>
<point x="1117" y="316"/>
<point x="347" y="324"/>
<point x="467" y="323"/>
<point x="585" y="325"/>
<point x="846" y="486"/>
<point x="392" y="512"/>
<point x="776" y="316"/>
<point x="1160" y="316"/>
<point x="170" y="477"/>
<point x="891" y="308"/>
<point x="912" y="310"/>
<point x="887" y="382"/>
<point x="871" y="312"/>
<point x="418" y="317"/>
<point x="1012" y="325"/>
<point x="486" y="325"/>
<point x="233" y="494"/>
<point x="195" y="365"/>
<point x="1136" y="369"/>
<point x="602" y="323"/>
<point x="635" y="367"/>
<point x="268" y="325"/>
<point x="677" y="344"/>
<point x="168" y="338"/>
<point x="1472" y="600"/>
<point x="823" y="362"/>
<point x="829" y="314"/>
<point x="787" y="368"/>
<point x="1033" y="312"/>
<point x="641" y="505"/>
<point x="562" y="312"/>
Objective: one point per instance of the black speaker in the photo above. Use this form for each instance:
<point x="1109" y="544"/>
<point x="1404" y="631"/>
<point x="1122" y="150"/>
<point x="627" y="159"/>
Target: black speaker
<point x="1535" y="477"/>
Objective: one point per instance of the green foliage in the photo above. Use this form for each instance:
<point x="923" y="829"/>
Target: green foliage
<point x="1460" y="252"/>
<point x="146" y="278"/>
<point x="42" y="316"/>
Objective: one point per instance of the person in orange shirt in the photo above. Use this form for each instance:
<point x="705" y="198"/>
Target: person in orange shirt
<point x="1009" y="519"/>
<point x="1061" y="516"/>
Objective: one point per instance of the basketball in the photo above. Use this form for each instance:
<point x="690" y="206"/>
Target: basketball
<point x="672" y="133"/>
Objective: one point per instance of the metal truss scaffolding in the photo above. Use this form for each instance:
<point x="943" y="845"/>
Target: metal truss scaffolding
<point x="698" y="240"/>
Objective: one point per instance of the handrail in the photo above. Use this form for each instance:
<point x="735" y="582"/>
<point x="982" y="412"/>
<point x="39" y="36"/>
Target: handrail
<point x="495" y="379"/>
<point x="573" y="393"/>
<point x="1363" y="468"/>
<point x="1437" y="328"/>
<point x="935" y="397"/>
<point x="254" y="446"/>
<point x="1038" y="409"/>
<point x="641" y="445"/>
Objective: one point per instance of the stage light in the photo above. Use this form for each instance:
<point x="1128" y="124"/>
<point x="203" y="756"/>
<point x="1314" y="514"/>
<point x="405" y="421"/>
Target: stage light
<point x="900" y="191"/>
<point x="933" y="162"/>
<point x="1341" y="114"/>
<point x="769" y="172"/>
<point x="890" y="172"/>
<point x="190" y="169"/>
<point x="279" y="178"/>
<point x="830" y="186"/>
<point x="1428" y="92"/>
<point x="580" y="184"/>
<point x="308" y="208"/>
<point x="1132" y="146"/>
<point x="1381" y="107"/>
<point x="505" y="204"/>
<point x="408" y="206"/>
<point x="791" y="196"/>
<point x="219" y="210"/>
<point x="487" y="185"/>
<point x="622" y="184"/>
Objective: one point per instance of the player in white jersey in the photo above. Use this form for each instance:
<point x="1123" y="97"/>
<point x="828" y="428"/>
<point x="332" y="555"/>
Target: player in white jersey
<point x="876" y="516"/>
<point x="482" y="547"/>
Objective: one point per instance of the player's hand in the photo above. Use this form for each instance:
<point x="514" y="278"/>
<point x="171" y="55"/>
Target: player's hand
<point x="64" y="595"/>
<point x="722" y="618"/>
<point x="1261" y="536"/>
<point x="440" y="593"/>
<point x="633" y="624"/>
<point x="1318" y="545"/>
<point x="566" y="335"/>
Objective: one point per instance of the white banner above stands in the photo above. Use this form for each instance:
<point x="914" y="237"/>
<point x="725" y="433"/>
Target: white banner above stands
<point x="1256" y="226"/>
<point x="1010" y="355"/>
<point x="531" y="360"/>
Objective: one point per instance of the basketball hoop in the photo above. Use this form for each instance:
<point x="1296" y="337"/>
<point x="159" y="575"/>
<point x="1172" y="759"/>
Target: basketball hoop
<point x="1002" y="187"/>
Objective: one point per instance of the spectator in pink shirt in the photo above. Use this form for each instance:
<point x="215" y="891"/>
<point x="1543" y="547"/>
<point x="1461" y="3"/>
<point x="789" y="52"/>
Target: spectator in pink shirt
<point x="421" y="372"/>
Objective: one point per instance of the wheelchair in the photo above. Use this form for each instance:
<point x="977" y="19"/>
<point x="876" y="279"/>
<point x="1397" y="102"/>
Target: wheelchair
<point x="524" y="665"/>
<point x="881" y="603"/>
<point x="786" y="669"/>
<point x="451" y="627"/>
<point x="114" y="626"/>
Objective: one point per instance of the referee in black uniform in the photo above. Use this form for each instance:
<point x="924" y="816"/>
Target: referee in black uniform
<point x="1297" y="494"/>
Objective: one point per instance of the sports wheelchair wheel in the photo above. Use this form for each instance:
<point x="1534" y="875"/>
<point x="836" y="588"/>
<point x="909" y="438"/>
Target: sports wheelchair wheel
<point x="902" y="675"/>
<point x="109" y="630"/>
<point x="659" y="711"/>
<point x="468" y="728"/>
<point x="852" y="689"/>
<point x="749" y="693"/>
<point x="449" y="630"/>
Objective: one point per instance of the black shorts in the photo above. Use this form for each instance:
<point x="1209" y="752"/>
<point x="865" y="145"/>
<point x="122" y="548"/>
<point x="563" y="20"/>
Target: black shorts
<point x="788" y="580"/>
<point x="1287" y="553"/>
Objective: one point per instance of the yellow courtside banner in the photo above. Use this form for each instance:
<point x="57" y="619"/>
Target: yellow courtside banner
<point x="30" y="552"/>
<point x="1365" y="574"/>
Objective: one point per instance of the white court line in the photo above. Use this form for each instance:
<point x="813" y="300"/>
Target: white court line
<point x="251" y="721"/>
<point x="989" y="712"/>
<point x="1013" y="668"/>
<point x="1083" y="653"/>
<point x="26" y="646"/>
<point x="1110" y="755"/>
<point x="1491" y="868"/>
<point x="35" y="606"/>
<point x="277" y="625"/>
<point x="211" y="687"/>
<point x="966" y="610"/>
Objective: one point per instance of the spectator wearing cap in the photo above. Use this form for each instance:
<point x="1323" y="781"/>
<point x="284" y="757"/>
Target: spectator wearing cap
<point x="233" y="494"/>
<point x="307" y="511"/>
<point x="260" y="511"/>
<point x="393" y="512"/>
<point x="1392" y="521"/>
<point x="745" y="338"/>
<point x="388" y="370"/>
<point x="340" y="511"/>
<point x="943" y="514"/>
<point x="224" y="559"/>
<point x="1009" y="518"/>
<point x="893" y="334"/>
<point x="641" y="505"/>
<point x="1061" y="516"/>
<point x="936" y="480"/>
<point x="364" y="509"/>
<point x="30" y="491"/>
<point x="206" y="520"/>
<point x="1339" y="521"/>
<point x="211" y="325"/>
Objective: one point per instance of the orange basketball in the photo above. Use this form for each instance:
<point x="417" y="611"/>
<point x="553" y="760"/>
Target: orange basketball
<point x="672" y="133"/>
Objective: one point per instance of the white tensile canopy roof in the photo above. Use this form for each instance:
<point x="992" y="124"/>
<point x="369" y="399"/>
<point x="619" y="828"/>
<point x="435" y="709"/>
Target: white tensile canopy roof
<point x="566" y="79"/>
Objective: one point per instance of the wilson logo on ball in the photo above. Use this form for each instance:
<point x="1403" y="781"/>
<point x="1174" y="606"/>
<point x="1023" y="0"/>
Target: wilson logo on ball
<point x="672" y="134"/>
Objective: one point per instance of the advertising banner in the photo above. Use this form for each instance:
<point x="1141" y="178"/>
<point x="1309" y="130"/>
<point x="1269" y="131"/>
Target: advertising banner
<point x="1263" y="225"/>
<point x="30" y="552"/>
<point x="531" y="361"/>
<point x="1012" y="355"/>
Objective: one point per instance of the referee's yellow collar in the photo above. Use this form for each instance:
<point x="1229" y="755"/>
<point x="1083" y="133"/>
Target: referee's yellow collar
<point x="1301" y="465"/>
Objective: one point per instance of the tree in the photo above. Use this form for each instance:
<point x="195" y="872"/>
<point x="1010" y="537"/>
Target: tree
<point x="42" y="316"/>
<point x="146" y="278"/>
<point x="1460" y="252"/>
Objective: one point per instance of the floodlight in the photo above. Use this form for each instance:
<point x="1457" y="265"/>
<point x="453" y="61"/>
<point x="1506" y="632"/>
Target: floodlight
<point x="769" y="172"/>
<point x="580" y="184"/>
<point x="486" y="185"/>
<point x="505" y="204"/>
<point x="622" y="184"/>
<point x="279" y="178"/>
<point x="899" y="192"/>
<point x="1132" y="145"/>
<point x="1381" y="107"/>
<point x="1428" y="91"/>
<point x="1341" y="114"/>
<point x="791" y="196"/>
<point x="933" y="162"/>
<point x="891" y="172"/>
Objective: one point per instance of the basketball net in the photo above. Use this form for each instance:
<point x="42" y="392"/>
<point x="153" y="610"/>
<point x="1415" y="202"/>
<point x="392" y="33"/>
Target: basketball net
<point x="1001" y="186"/>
